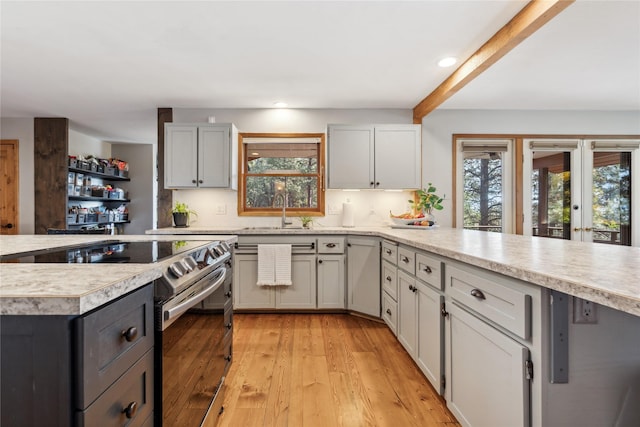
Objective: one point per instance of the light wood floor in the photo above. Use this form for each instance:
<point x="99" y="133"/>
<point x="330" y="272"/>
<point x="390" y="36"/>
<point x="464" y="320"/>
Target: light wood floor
<point x="325" y="370"/>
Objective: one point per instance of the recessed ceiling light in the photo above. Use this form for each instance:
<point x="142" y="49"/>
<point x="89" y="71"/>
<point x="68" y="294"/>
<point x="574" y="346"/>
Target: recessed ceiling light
<point x="280" y="104"/>
<point x="447" y="62"/>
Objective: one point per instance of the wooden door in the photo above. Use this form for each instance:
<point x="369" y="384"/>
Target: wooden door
<point x="9" y="187"/>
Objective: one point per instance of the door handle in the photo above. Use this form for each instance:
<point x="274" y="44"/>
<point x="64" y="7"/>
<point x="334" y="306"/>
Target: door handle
<point x="588" y="229"/>
<point x="577" y="229"/>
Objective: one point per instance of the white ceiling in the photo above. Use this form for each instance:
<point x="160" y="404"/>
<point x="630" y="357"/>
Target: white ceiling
<point x="108" y="65"/>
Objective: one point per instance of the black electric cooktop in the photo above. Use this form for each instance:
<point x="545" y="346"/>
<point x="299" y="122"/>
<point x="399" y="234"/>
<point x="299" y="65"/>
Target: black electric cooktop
<point x="107" y="252"/>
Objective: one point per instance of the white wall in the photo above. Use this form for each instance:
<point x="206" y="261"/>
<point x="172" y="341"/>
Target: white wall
<point x="85" y="145"/>
<point x="219" y="207"/>
<point x="142" y="188"/>
<point x="439" y="126"/>
<point x="22" y="130"/>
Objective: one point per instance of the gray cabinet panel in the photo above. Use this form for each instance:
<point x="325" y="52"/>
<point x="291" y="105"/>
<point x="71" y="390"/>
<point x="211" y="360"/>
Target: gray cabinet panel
<point x="331" y="278"/>
<point x="129" y="401"/>
<point x="363" y="275"/>
<point x="486" y="377"/>
<point x="104" y="351"/>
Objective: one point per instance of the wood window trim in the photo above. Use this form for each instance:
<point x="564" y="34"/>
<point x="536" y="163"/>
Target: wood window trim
<point x="242" y="177"/>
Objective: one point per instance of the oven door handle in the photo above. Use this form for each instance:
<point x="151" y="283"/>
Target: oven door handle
<point x="169" y="315"/>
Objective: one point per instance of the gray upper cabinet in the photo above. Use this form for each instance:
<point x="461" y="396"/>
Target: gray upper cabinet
<point x="200" y="155"/>
<point x="374" y="156"/>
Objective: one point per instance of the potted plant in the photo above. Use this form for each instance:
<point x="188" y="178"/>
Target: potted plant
<point x="426" y="201"/>
<point x="182" y="214"/>
<point x="306" y="221"/>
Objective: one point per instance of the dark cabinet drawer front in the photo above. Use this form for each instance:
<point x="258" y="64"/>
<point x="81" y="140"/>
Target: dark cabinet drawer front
<point x="132" y="390"/>
<point x="108" y="344"/>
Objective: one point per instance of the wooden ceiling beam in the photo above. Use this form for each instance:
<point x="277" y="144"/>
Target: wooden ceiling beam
<point x="532" y="17"/>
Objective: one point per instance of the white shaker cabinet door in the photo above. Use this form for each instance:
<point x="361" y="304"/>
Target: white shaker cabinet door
<point x="302" y="292"/>
<point x="181" y="156"/>
<point x="214" y="156"/>
<point x="486" y="375"/>
<point x="351" y="157"/>
<point x="429" y="346"/>
<point x="331" y="281"/>
<point x="246" y="294"/>
<point x="398" y="157"/>
<point x="363" y="275"/>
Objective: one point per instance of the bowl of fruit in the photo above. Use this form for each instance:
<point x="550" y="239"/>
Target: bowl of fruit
<point x="407" y="218"/>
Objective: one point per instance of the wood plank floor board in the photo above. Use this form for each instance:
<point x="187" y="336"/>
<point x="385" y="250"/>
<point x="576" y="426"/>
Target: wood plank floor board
<point x="325" y="370"/>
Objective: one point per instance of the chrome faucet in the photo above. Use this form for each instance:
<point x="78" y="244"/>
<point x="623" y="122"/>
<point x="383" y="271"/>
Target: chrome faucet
<point x="284" y="208"/>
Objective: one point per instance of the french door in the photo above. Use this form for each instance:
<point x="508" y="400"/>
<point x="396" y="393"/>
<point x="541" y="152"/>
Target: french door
<point x="586" y="190"/>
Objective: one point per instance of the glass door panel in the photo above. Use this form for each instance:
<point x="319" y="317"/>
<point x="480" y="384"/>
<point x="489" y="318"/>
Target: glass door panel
<point x="551" y="194"/>
<point x="611" y="198"/>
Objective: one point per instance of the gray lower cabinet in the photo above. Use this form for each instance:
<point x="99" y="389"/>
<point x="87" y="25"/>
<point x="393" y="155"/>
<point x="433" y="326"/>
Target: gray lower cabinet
<point x="486" y="374"/>
<point x="300" y="295"/>
<point x="363" y="275"/>
<point x="95" y="369"/>
<point x="331" y="294"/>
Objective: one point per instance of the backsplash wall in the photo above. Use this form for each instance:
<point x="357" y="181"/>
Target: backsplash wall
<point x="219" y="208"/>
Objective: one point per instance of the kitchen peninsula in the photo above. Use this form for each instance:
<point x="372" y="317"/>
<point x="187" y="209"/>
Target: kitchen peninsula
<point x="602" y="360"/>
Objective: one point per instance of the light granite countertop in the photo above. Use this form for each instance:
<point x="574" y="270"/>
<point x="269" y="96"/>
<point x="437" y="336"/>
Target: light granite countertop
<point x="605" y="274"/>
<point x="71" y="289"/>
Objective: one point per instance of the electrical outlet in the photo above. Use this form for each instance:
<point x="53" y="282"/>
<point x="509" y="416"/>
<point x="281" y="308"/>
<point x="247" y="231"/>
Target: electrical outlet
<point x="334" y="210"/>
<point x="584" y="311"/>
<point x="221" y="210"/>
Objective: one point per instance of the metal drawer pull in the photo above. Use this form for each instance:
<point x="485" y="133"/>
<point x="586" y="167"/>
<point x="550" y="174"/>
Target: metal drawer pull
<point x="428" y="269"/>
<point x="228" y="294"/>
<point x="228" y="325"/>
<point x="388" y="278"/>
<point x="130" y="334"/>
<point x="227" y="358"/>
<point x="388" y="251"/>
<point x="412" y="288"/>
<point x="388" y="312"/>
<point x="130" y="410"/>
<point x="330" y="245"/>
<point x="477" y="293"/>
<point x="404" y="259"/>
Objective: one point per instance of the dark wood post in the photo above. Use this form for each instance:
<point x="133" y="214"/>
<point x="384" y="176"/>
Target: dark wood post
<point x="165" y="115"/>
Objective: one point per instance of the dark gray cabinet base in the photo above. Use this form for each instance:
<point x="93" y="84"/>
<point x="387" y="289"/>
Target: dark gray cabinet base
<point x="40" y="365"/>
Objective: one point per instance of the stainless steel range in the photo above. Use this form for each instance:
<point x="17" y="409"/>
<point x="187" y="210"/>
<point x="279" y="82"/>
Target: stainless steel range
<point x="194" y="329"/>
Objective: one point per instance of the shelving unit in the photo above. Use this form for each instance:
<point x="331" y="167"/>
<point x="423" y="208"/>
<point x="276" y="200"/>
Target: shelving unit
<point x="107" y="201"/>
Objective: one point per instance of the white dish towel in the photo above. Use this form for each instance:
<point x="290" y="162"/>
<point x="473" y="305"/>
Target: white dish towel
<point x="274" y="265"/>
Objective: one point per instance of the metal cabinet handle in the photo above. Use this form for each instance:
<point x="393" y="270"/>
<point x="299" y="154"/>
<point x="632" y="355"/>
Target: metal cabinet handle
<point x="577" y="229"/>
<point x="330" y="245"/>
<point x="193" y="181"/>
<point x="228" y="325"/>
<point x="130" y="334"/>
<point x="9" y="225"/>
<point x="319" y="261"/>
<point x="412" y="288"/>
<point x="404" y="259"/>
<point x="200" y="181"/>
<point x="427" y="269"/>
<point x="228" y="294"/>
<point x="130" y="410"/>
<point x="377" y="184"/>
<point x="371" y="184"/>
<point x="388" y="251"/>
<point x="588" y="229"/>
<point x="478" y="294"/>
<point x="388" y="278"/>
<point x="227" y="358"/>
<point x="388" y="312"/>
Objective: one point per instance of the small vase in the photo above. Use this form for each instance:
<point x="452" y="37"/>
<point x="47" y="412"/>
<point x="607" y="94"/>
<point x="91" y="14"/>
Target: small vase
<point x="180" y="219"/>
<point x="429" y="216"/>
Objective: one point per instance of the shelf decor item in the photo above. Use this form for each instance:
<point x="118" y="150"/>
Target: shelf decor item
<point x="182" y="214"/>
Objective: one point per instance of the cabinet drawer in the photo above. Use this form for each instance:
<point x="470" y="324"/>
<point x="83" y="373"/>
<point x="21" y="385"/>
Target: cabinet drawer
<point x="499" y="299"/>
<point x="331" y="245"/>
<point x="407" y="260"/>
<point x="390" y="279"/>
<point x="110" y="340"/>
<point x="390" y="312"/>
<point x="429" y="270"/>
<point x="133" y="390"/>
<point x="390" y="252"/>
